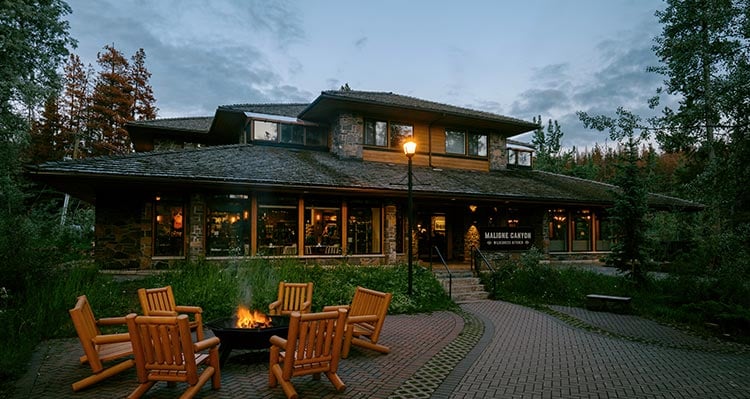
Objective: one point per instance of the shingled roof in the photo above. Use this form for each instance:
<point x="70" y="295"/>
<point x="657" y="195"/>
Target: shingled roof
<point x="195" y="124"/>
<point x="290" y="110"/>
<point x="255" y="166"/>
<point x="413" y="103"/>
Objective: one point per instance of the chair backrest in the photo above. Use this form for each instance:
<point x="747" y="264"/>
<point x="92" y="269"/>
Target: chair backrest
<point x="314" y="342"/>
<point x="163" y="348"/>
<point x="292" y="297"/>
<point x="157" y="301"/>
<point x="86" y="328"/>
<point x="290" y="250"/>
<point x="334" y="249"/>
<point x="371" y="302"/>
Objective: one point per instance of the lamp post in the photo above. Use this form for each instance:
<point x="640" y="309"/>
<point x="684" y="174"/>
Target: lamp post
<point x="410" y="148"/>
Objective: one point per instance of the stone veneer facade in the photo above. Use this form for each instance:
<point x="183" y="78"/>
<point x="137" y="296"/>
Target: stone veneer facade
<point x="347" y="132"/>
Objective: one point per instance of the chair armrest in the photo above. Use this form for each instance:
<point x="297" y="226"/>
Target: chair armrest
<point x="110" y="338"/>
<point x="361" y="319"/>
<point x="188" y="309"/>
<point x="335" y="307"/>
<point x="162" y="313"/>
<point x="307" y="305"/>
<point x="206" y="343"/>
<point x="278" y="341"/>
<point x="273" y="305"/>
<point x="111" y="321"/>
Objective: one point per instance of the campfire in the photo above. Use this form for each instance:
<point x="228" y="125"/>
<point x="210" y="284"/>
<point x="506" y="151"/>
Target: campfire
<point x="247" y="318"/>
<point x="247" y="329"/>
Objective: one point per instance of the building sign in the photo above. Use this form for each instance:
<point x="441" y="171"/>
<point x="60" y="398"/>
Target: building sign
<point x="505" y="239"/>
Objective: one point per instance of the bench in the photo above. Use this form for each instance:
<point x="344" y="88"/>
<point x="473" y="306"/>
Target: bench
<point x="617" y="304"/>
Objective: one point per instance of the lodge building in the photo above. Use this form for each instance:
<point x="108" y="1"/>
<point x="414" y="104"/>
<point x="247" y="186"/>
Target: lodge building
<point x="327" y="182"/>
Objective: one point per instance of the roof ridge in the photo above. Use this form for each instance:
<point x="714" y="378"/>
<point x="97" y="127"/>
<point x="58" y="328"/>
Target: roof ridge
<point x="246" y="104"/>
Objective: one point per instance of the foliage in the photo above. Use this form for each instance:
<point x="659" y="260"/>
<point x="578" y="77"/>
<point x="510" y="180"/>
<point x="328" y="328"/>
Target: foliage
<point x="679" y="299"/>
<point x="630" y="251"/>
<point x="549" y="155"/>
<point x="143" y="93"/>
<point x="111" y="104"/>
<point x="34" y="39"/>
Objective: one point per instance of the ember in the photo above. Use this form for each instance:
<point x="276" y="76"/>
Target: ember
<point x="251" y="319"/>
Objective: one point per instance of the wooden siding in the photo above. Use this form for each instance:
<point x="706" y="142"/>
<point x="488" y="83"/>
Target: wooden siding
<point x="424" y="134"/>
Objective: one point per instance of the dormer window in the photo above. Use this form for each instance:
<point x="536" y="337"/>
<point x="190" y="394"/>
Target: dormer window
<point x="463" y="142"/>
<point x="518" y="157"/>
<point x="287" y="133"/>
<point x="387" y="134"/>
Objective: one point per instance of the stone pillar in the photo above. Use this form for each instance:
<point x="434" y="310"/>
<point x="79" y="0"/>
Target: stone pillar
<point x="497" y="152"/>
<point x="389" y="234"/>
<point x="347" y="134"/>
<point x="471" y="238"/>
<point x="196" y="210"/>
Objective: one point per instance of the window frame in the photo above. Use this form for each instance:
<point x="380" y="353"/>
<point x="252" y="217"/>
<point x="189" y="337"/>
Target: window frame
<point x="468" y="136"/>
<point x="389" y="133"/>
<point x="308" y="130"/>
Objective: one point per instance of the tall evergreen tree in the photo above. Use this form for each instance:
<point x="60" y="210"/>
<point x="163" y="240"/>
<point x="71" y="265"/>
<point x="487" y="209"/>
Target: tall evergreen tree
<point x="143" y="94"/>
<point x="75" y="106"/>
<point x="112" y="104"/>
<point x="631" y="250"/>
<point x="47" y="139"/>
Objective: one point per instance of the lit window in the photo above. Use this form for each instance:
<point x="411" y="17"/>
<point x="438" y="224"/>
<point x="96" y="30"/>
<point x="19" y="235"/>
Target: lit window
<point x="169" y="225"/>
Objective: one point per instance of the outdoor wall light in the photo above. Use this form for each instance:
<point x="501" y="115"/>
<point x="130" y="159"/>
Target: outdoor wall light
<point x="473" y="208"/>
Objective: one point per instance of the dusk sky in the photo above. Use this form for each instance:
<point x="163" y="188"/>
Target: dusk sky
<point x="515" y="58"/>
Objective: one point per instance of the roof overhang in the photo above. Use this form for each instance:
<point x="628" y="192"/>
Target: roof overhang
<point x="327" y="106"/>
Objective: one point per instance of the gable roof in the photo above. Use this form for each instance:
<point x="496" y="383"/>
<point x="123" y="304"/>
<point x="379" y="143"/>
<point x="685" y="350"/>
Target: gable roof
<point x="193" y="124"/>
<point x="276" y="168"/>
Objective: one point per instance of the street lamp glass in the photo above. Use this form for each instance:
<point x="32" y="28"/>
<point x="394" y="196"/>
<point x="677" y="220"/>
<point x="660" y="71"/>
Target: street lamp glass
<point x="410" y="147"/>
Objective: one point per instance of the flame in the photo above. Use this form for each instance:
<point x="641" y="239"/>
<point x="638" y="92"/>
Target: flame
<point x="251" y="319"/>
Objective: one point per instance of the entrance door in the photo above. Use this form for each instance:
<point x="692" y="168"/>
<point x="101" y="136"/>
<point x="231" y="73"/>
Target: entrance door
<point x="431" y="229"/>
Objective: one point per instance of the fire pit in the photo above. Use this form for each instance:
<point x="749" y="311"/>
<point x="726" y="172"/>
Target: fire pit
<point x="247" y="330"/>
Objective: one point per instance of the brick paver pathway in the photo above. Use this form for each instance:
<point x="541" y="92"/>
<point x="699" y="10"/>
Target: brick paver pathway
<point x="491" y="349"/>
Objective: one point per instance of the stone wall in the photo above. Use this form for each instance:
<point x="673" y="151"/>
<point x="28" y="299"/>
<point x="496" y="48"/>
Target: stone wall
<point x="497" y="151"/>
<point x="347" y="132"/>
<point x="122" y="234"/>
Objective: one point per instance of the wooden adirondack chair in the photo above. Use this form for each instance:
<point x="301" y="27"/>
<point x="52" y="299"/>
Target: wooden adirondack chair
<point x="160" y="302"/>
<point x="97" y="347"/>
<point x="292" y="297"/>
<point x="313" y="346"/>
<point x="365" y="320"/>
<point x="164" y="351"/>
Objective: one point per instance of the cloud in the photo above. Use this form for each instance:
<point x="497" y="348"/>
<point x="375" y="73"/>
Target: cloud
<point x="191" y="61"/>
<point x="618" y="79"/>
<point x="360" y="43"/>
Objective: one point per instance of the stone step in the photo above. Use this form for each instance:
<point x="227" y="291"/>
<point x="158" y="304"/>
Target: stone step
<point x="470" y="296"/>
<point x="464" y="287"/>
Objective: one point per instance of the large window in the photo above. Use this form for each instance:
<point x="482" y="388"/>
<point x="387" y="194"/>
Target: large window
<point x="228" y="225"/>
<point x="464" y="142"/>
<point x="287" y="133"/>
<point x="169" y="227"/>
<point x="277" y="227"/>
<point x="558" y="230"/>
<point x="363" y="228"/>
<point x="387" y="134"/>
<point x="582" y="224"/>
<point x="322" y="228"/>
